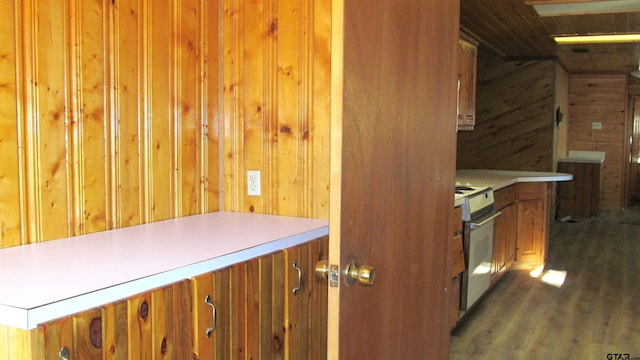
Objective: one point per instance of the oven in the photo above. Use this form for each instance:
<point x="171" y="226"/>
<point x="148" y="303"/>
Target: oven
<point x="478" y="214"/>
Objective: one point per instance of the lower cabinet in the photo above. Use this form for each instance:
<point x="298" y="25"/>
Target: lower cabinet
<point x="153" y="325"/>
<point x="270" y="307"/>
<point x="533" y="224"/>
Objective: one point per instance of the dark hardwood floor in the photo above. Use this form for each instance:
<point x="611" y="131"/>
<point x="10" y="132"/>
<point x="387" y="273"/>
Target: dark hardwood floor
<point x="594" y="313"/>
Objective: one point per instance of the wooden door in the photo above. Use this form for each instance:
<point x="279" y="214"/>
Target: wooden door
<point x="395" y="141"/>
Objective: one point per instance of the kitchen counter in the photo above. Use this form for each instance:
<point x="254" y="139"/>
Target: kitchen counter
<point x="45" y="281"/>
<point x="592" y="157"/>
<point x="498" y="179"/>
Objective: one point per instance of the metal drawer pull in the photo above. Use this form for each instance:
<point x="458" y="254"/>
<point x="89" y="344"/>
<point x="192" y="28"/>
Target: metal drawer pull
<point x="207" y="300"/>
<point x="64" y="354"/>
<point x="295" y="266"/>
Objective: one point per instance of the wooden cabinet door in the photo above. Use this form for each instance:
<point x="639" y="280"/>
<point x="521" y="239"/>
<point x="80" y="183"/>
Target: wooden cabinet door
<point x="212" y="315"/>
<point x="504" y="241"/>
<point x="306" y="316"/>
<point x="258" y="299"/>
<point x="467" y="68"/>
<point x="510" y="214"/>
<point x="499" y="246"/>
<point x="73" y="337"/>
<point x="532" y="224"/>
<point x="55" y="339"/>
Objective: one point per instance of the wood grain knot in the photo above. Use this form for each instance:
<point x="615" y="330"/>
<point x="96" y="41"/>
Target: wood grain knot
<point x="95" y="332"/>
<point x="285" y="129"/>
<point x="163" y="346"/>
<point x="277" y="343"/>
<point x="144" y="310"/>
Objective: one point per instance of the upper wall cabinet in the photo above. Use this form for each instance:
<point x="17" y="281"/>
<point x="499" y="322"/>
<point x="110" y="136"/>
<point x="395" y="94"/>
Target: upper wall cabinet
<point x="467" y="68"/>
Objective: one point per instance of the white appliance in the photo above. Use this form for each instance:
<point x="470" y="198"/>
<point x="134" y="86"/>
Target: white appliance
<point x="478" y="214"/>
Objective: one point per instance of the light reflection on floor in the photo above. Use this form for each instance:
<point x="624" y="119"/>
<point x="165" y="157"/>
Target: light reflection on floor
<point x="552" y="277"/>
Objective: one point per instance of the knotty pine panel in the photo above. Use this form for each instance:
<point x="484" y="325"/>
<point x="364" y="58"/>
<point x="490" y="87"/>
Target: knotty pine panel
<point x="110" y="115"/>
<point x="514" y="116"/>
<point x="600" y="98"/>
<point x="276" y="105"/>
<point x="10" y="138"/>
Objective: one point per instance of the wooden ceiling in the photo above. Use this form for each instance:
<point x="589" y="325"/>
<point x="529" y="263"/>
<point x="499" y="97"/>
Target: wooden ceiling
<point x="515" y="31"/>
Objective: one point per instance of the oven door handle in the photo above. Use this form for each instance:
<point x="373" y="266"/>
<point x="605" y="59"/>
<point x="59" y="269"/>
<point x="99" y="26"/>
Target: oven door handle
<point x="483" y="221"/>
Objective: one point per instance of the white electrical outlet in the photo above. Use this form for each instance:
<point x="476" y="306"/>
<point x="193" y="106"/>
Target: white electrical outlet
<point x="596" y="125"/>
<point x="253" y="182"/>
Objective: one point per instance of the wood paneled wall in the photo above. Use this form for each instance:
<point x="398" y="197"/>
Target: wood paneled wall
<point x="110" y="115"/>
<point x="277" y="68"/>
<point x="116" y="113"/>
<point x="601" y="98"/>
<point x="514" y="116"/>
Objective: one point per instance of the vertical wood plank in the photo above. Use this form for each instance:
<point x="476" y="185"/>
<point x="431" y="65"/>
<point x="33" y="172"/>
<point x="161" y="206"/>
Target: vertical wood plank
<point x="319" y="129"/>
<point x="181" y="318"/>
<point x="318" y="301"/>
<point x="211" y="36"/>
<point x="239" y="323"/>
<point x="294" y="324"/>
<point x="87" y="334"/>
<point x="291" y="115"/>
<point x="224" y="325"/>
<point x="265" y="298"/>
<point x="128" y="17"/>
<point x="188" y="115"/>
<point x="258" y="30"/>
<point x="51" y="132"/>
<point x="253" y="316"/>
<point x="115" y="329"/>
<point x="139" y="329"/>
<point x="91" y="166"/>
<point x="160" y="81"/>
<point x="10" y="219"/>
<point x="277" y="285"/>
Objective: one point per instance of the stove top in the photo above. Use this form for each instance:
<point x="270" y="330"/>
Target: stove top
<point x="474" y="199"/>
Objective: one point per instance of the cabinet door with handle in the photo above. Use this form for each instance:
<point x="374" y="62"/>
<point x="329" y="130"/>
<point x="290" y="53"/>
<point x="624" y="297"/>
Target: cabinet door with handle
<point x="307" y="299"/>
<point x="55" y="339"/>
<point x="73" y="337"/>
<point x="211" y="315"/>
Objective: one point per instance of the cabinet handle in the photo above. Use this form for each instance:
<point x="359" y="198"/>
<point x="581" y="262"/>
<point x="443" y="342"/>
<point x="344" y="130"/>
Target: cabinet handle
<point x="295" y="266"/>
<point x="207" y="300"/>
<point x="64" y="353"/>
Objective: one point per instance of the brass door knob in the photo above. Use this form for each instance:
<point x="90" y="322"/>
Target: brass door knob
<point x="322" y="269"/>
<point x="364" y="275"/>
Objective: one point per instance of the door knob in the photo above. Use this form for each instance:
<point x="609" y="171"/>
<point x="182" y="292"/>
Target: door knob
<point x="365" y="274"/>
<point x="322" y="269"/>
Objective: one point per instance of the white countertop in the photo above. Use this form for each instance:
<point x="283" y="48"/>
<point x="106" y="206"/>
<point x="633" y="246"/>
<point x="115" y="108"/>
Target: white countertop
<point x="498" y="179"/>
<point x="44" y="281"/>
<point x="594" y="157"/>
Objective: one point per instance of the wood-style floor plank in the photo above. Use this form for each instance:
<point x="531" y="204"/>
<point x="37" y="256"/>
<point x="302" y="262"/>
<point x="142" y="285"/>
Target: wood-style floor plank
<point x="594" y="313"/>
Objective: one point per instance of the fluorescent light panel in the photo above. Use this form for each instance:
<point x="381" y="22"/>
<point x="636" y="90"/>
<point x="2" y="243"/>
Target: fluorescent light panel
<point x="587" y="7"/>
<point x="598" y="39"/>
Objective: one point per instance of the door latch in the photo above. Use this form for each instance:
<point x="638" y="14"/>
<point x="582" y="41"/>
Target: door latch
<point x="331" y="273"/>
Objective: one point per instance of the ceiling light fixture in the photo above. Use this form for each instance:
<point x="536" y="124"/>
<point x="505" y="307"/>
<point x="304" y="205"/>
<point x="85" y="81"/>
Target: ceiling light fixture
<point x="580" y="7"/>
<point x="597" y="39"/>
